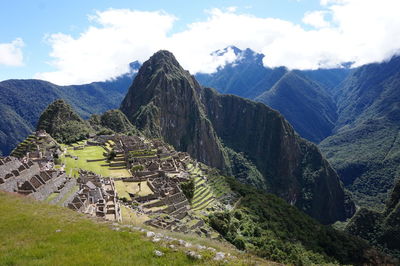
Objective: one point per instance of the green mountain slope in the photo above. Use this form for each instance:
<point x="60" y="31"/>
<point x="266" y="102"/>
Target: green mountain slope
<point x="269" y="227"/>
<point x="13" y="128"/>
<point x="304" y="103"/>
<point x="113" y="120"/>
<point x="366" y="148"/>
<point x="380" y="228"/>
<point x="165" y="101"/>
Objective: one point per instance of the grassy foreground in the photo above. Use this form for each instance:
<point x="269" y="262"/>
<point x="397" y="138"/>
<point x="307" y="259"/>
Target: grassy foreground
<point x="34" y="233"/>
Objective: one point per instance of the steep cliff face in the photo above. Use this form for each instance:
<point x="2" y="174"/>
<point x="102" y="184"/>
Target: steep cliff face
<point x="164" y="102"/>
<point x="293" y="168"/>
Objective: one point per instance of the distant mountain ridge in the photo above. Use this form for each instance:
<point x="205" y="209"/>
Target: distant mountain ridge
<point x="23" y="101"/>
<point x="245" y="77"/>
<point x="166" y="101"/>
<point x="311" y="109"/>
<point x="306" y="104"/>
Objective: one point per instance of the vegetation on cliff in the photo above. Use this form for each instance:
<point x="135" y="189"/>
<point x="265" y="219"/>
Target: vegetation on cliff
<point x="366" y="148"/>
<point x="381" y="229"/>
<point x="112" y="121"/>
<point x="62" y="123"/>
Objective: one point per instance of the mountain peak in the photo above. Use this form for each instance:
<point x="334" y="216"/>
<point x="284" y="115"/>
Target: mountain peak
<point x="163" y="57"/>
<point x="61" y="121"/>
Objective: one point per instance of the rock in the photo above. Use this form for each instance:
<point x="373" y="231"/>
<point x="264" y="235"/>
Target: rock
<point x="58" y="230"/>
<point x="200" y="247"/>
<point x="182" y="242"/>
<point x="211" y="249"/>
<point x="150" y="234"/>
<point x="193" y="255"/>
<point x="158" y="253"/>
<point x="115" y="228"/>
<point x="155" y="240"/>
<point x="219" y="256"/>
<point x="172" y="246"/>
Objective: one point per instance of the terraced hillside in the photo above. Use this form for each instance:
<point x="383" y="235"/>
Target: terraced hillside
<point x="210" y="189"/>
<point x="35" y="143"/>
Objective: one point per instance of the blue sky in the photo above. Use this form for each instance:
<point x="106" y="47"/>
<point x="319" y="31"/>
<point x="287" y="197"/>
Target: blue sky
<point x="42" y="37"/>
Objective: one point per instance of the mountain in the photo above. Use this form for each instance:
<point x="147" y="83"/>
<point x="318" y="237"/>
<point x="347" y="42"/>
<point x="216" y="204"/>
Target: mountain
<point x="365" y="149"/>
<point x="304" y="103"/>
<point x="62" y="123"/>
<point x="380" y="228"/>
<point x="166" y="101"/>
<point x="329" y="78"/>
<point x="23" y="101"/>
<point x="246" y="76"/>
<point x="306" y="92"/>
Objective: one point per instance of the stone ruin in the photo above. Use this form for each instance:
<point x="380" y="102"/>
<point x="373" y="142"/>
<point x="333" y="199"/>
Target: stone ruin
<point x="96" y="197"/>
<point x="163" y="169"/>
<point x="25" y="177"/>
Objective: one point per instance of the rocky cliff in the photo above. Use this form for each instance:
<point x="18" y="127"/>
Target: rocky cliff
<point x="166" y="101"/>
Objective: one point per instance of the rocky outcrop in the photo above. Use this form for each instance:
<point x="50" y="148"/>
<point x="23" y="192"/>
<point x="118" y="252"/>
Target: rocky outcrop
<point x="166" y="101"/>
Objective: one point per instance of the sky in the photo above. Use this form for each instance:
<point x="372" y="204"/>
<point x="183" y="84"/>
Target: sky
<point x="77" y="42"/>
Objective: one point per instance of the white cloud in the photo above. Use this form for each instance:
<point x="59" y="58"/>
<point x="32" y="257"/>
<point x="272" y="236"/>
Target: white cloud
<point x="316" y="19"/>
<point x="360" y="31"/>
<point x="11" y="53"/>
<point x="104" y="51"/>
